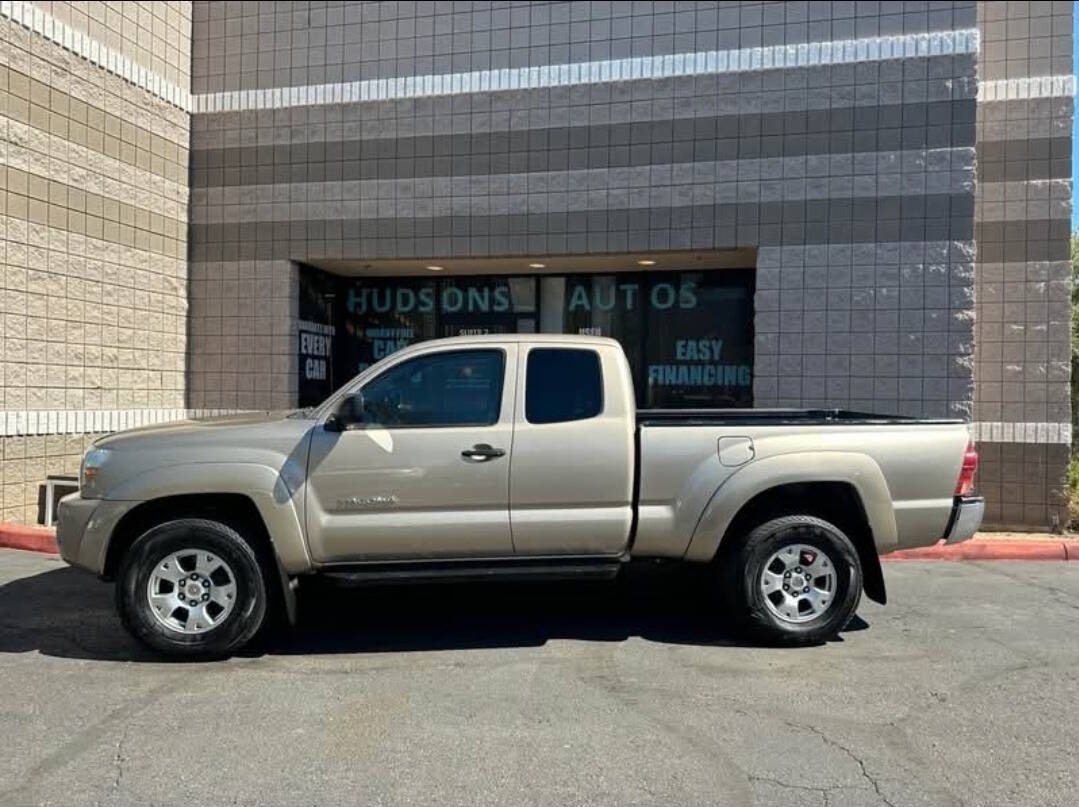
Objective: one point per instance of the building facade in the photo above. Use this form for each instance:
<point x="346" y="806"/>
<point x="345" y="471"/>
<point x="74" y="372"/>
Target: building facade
<point x="811" y="204"/>
<point x="94" y="138"/>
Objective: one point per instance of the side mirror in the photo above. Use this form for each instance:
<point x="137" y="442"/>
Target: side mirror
<point x="349" y="413"/>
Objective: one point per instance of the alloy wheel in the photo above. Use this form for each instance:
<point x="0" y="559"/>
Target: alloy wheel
<point x="191" y="591"/>
<point x="798" y="583"/>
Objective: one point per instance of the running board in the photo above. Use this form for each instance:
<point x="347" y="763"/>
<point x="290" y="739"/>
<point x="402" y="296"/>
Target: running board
<point x="510" y="570"/>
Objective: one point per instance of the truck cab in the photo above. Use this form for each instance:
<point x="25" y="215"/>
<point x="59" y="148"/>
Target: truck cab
<point x="477" y="448"/>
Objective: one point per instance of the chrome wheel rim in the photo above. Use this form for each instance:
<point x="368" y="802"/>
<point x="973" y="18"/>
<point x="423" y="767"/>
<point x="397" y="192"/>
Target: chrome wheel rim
<point x="191" y="591"/>
<point x="798" y="583"/>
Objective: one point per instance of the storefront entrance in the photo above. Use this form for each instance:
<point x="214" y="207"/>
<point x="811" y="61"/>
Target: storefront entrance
<point x="688" y="334"/>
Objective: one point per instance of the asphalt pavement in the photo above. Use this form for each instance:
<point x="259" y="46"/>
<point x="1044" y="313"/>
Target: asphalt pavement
<point x="961" y="691"/>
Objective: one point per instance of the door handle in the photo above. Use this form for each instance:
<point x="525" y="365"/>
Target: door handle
<point x="482" y="452"/>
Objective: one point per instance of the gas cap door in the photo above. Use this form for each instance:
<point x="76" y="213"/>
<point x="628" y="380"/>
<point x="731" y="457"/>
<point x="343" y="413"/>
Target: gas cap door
<point x="734" y="451"/>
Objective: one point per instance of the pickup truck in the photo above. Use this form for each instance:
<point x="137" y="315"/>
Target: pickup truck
<point x="524" y="456"/>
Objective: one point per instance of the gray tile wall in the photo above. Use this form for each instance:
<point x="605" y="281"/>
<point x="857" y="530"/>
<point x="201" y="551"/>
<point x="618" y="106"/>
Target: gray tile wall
<point x="862" y="206"/>
<point x="855" y="182"/>
<point x="1023" y="286"/>
<point x="247" y="45"/>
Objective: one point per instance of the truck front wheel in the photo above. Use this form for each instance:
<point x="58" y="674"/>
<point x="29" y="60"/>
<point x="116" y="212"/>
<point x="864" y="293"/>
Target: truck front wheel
<point x="793" y="580"/>
<point x="192" y="588"/>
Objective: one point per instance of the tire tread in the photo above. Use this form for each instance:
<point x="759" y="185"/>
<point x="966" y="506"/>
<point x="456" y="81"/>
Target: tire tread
<point x="218" y="644"/>
<point x="738" y="583"/>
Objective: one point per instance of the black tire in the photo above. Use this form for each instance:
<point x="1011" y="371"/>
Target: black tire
<point x="238" y="627"/>
<point x="743" y="566"/>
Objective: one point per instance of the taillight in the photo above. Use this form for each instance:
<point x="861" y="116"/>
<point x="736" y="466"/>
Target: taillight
<point x="965" y="485"/>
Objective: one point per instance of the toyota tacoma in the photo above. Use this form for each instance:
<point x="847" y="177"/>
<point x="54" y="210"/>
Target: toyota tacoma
<point x="510" y="456"/>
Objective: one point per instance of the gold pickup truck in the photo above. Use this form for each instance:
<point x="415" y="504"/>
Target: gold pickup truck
<point x="510" y="456"/>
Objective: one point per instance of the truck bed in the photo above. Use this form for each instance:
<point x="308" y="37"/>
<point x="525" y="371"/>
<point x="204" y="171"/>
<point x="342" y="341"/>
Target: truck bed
<point x="904" y="476"/>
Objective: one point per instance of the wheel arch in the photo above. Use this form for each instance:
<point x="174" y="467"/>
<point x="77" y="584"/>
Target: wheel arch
<point x="837" y="502"/>
<point x="237" y="510"/>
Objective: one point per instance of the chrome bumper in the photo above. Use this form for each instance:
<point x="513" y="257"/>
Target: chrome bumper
<point x="966" y="519"/>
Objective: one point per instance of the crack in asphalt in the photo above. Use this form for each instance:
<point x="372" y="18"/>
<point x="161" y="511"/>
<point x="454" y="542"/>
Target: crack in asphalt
<point x="850" y="753"/>
<point x="607" y="680"/>
<point x="780" y="783"/>
<point x="907" y="746"/>
<point x="88" y="739"/>
<point x="119" y="760"/>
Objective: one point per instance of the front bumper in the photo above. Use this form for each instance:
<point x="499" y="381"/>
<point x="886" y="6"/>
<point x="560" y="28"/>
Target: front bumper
<point x="967" y="513"/>
<point x="84" y="527"/>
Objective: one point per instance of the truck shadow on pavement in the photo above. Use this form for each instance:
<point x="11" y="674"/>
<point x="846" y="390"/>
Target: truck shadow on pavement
<point x="69" y="614"/>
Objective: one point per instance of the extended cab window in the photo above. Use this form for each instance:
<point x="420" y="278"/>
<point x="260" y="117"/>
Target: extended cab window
<point x="458" y="388"/>
<point x="562" y="384"/>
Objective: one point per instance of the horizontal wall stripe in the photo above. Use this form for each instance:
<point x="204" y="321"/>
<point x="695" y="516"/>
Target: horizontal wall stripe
<point x="166" y="156"/>
<point x="14" y="423"/>
<point x="936" y="125"/>
<point x="1021" y="200"/>
<point x="998" y="432"/>
<point x="913" y="218"/>
<point x="1010" y="230"/>
<point x="132" y="206"/>
<point x="99" y="174"/>
<point x="1025" y="148"/>
<point x="631" y="102"/>
<point x="774" y="57"/>
<point x="1034" y="158"/>
<point x="97" y="231"/>
<point x="1025" y="189"/>
<point x="811" y="177"/>
<point x="167" y="239"/>
<point x="44" y="24"/>
<point x="1010" y="89"/>
<point x="660" y="186"/>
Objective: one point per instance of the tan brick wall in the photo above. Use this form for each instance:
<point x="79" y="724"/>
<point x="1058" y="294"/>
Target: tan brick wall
<point x="156" y="35"/>
<point x="93" y="232"/>
<point x="24" y="464"/>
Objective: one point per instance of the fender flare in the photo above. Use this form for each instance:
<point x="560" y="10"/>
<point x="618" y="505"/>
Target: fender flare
<point x="276" y="503"/>
<point x="858" y="470"/>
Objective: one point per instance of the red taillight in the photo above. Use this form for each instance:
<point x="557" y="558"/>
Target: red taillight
<point x="965" y="485"/>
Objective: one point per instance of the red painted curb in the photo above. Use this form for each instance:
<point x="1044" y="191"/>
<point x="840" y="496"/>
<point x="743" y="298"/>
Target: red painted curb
<point x="989" y="549"/>
<point x="35" y="539"/>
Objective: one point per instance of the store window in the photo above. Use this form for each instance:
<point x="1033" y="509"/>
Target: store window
<point x="381" y="316"/>
<point x="688" y="335"/>
<point x="698" y="342"/>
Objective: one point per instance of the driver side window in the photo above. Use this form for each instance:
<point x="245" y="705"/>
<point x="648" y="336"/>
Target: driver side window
<point x="455" y="388"/>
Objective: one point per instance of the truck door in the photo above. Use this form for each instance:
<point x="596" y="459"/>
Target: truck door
<point x="427" y="473"/>
<point x="571" y="474"/>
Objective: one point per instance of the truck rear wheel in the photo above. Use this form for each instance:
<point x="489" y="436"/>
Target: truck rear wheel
<point x="794" y="580"/>
<point x="192" y="588"/>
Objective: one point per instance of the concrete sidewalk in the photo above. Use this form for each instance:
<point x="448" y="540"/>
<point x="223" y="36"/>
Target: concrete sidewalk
<point x="984" y="546"/>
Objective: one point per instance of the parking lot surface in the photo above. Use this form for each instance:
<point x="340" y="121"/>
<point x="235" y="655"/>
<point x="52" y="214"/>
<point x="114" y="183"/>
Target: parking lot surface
<point x="962" y="691"/>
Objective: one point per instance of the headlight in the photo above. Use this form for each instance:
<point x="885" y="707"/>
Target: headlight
<point x="91" y="466"/>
